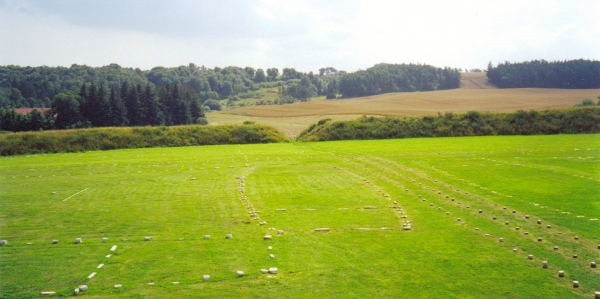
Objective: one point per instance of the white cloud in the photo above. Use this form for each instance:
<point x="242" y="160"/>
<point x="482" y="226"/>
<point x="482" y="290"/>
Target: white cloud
<point x="347" y="35"/>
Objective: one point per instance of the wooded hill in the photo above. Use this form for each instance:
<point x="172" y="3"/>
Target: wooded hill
<point x="37" y="86"/>
<point x="384" y="78"/>
<point x="543" y="74"/>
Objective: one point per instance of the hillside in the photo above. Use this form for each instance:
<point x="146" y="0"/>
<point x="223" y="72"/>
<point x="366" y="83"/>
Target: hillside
<point x="475" y="81"/>
<point x="474" y="95"/>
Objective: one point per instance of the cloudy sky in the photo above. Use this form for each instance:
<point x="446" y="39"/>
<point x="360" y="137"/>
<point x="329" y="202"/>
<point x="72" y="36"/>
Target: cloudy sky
<point x="345" y="34"/>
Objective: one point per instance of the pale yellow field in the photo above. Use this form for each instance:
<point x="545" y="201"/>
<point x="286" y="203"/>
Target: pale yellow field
<point x="474" y="95"/>
<point x="475" y="81"/>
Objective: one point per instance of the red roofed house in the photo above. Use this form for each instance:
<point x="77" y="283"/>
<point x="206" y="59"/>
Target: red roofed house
<point x="27" y="110"/>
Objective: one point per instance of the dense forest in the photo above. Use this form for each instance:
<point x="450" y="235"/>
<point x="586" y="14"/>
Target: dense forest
<point x="96" y="106"/>
<point x="37" y="86"/>
<point x="384" y="78"/>
<point x="543" y="74"/>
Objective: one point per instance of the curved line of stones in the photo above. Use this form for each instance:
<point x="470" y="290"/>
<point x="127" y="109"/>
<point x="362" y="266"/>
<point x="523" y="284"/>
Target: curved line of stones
<point x="514" y="213"/>
<point x="253" y="213"/>
<point x="400" y="212"/>
<point x="545" y="264"/>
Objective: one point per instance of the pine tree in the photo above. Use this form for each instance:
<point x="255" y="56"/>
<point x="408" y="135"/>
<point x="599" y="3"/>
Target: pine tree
<point x="104" y="113"/>
<point x="132" y="104"/>
<point x="153" y="114"/>
<point x="118" y="110"/>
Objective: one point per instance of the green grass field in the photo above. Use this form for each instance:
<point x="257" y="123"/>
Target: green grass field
<point x="125" y="195"/>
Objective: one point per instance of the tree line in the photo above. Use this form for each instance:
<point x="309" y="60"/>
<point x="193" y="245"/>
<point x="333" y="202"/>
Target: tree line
<point x="99" y="106"/>
<point x="384" y="78"/>
<point x="543" y="74"/>
<point x="37" y="86"/>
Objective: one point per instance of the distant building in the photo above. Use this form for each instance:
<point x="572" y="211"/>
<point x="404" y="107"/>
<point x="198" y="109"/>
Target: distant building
<point x="27" y="110"/>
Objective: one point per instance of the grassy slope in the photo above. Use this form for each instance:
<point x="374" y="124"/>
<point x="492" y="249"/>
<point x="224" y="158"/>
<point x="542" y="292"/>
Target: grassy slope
<point x="148" y="192"/>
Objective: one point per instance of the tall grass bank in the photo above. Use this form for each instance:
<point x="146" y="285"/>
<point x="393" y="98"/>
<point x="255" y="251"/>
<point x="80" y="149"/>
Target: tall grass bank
<point x="473" y="123"/>
<point x="134" y="137"/>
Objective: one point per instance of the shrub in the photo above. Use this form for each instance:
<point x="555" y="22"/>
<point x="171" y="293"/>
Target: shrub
<point x="472" y="123"/>
<point x="135" y="137"/>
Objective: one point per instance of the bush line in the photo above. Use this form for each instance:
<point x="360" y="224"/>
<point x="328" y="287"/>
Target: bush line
<point x="472" y="123"/>
<point x="134" y="137"/>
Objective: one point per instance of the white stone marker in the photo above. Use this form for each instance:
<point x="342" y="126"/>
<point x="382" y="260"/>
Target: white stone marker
<point x="264" y="271"/>
<point x="593" y="265"/>
<point x="530" y="256"/>
<point x="272" y="256"/>
<point x="273" y="270"/>
<point x="77" y="240"/>
<point x="561" y="273"/>
<point x="229" y="236"/>
<point x="100" y="266"/>
<point x="240" y="274"/>
<point x="544" y="264"/>
<point x="83" y="287"/>
<point x="113" y="248"/>
<point x="91" y="276"/>
<point x="175" y="282"/>
<point x="267" y="237"/>
<point x="4" y="242"/>
<point x="104" y="239"/>
<point x="147" y="238"/>
<point x="321" y="229"/>
<point x="108" y="256"/>
<point x="270" y="247"/>
<point x="597" y="295"/>
<point x="206" y="277"/>
<point x="118" y="286"/>
<point x="206" y="236"/>
<point x="54" y="241"/>
<point x="48" y="293"/>
<point x="280" y="232"/>
<point x="76" y="292"/>
<point x="575" y="284"/>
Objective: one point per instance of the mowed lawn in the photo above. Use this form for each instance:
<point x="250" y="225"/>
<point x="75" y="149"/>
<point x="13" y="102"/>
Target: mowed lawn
<point x="176" y="196"/>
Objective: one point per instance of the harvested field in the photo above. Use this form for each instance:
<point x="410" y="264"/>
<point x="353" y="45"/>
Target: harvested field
<point x="291" y="126"/>
<point x="475" y="94"/>
<point x="430" y="103"/>
<point x="475" y="81"/>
